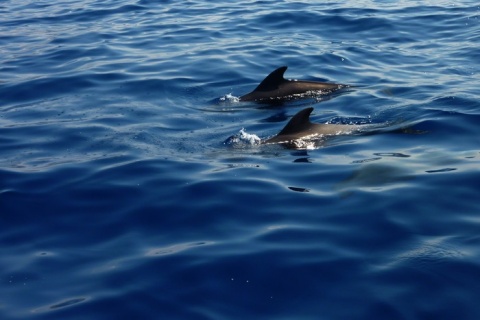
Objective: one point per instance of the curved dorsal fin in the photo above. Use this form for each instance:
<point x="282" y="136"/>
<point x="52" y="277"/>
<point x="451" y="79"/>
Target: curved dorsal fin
<point x="299" y="122"/>
<point x="273" y="80"/>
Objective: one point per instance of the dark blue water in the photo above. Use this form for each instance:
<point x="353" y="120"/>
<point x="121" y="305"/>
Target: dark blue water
<point x="120" y="200"/>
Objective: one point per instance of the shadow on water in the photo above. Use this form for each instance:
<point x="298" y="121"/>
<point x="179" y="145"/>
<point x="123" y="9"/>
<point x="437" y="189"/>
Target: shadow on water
<point x="374" y="177"/>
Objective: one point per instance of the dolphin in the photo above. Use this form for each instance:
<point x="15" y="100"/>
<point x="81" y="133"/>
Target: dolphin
<point x="300" y="127"/>
<point x="275" y="87"/>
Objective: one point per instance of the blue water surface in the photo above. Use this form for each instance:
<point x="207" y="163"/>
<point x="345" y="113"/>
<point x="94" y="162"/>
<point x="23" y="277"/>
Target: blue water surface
<point x="123" y="196"/>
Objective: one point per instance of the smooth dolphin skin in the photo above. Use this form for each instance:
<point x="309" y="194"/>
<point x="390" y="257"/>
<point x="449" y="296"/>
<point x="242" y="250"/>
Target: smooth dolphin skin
<point x="275" y="87"/>
<point x="300" y="127"/>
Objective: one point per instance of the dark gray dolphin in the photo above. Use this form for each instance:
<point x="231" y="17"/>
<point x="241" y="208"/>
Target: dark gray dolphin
<point x="275" y="87"/>
<point x="300" y="127"/>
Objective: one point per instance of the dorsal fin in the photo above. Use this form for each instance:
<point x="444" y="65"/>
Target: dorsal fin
<point x="273" y="80"/>
<point x="299" y="122"/>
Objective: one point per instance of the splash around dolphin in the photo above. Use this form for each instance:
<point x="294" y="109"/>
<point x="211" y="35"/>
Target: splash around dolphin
<point x="275" y="88"/>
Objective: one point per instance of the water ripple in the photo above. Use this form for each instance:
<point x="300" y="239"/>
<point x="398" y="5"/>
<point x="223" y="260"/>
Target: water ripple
<point x="116" y="184"/>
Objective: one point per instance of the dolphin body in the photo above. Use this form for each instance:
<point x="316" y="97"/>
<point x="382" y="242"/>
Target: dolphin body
<point x="275" y="87"/>
<point x="300" y="127"/>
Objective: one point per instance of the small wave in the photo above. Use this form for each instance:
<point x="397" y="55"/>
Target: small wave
<point x="306" y="143"/>
<point x="62" y="304"/>
<point x="242" y="139"/>
<point x="229" y="98"/>
<point x="174" y="249"/>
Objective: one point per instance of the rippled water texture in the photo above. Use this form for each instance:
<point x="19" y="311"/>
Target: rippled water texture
<point x="133" y="184"/>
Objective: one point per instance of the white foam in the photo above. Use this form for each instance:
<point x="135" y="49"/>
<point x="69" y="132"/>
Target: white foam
<point x="229" y="98"/>
<point x="243" y="138"/>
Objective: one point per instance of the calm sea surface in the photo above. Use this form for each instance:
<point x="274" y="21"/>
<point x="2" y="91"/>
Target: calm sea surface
<point x="122" y="195"/>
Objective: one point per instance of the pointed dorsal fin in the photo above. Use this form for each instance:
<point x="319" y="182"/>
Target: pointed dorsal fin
<point x="273" y="80"/>
<point x="299" y="122"/>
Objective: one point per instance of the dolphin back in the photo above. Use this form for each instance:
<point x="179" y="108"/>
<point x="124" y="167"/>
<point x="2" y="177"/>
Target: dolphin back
<point x="273" y="80"/>
<point x="275" y="88"/>
<point x="299" y="122"/>
<point x="300" y="127"/>
<point x="271" y="83"/>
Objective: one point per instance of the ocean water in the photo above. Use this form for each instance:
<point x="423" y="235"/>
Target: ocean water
<point x="131" y="186"/>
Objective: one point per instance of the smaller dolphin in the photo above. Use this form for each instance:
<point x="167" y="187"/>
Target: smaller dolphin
<point x="300" y="127"/>
<point x="275" y="87"/>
